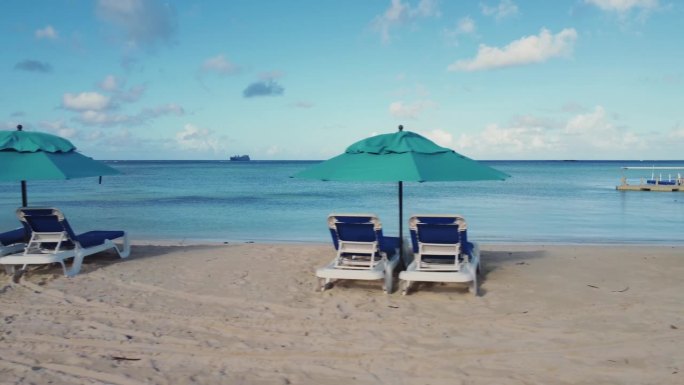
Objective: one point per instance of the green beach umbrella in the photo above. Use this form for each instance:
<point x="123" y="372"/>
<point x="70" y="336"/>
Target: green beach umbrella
<point x="26" y="156"/>
<point x="400" y="157"/>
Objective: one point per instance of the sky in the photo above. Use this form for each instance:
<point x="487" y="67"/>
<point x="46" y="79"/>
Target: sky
<point x="491" y="79"/>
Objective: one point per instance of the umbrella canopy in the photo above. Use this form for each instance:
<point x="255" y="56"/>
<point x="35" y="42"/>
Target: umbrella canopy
<point x="28" y="156"/>
<point x="18" y="166"/>
<point x="403" y="156"/>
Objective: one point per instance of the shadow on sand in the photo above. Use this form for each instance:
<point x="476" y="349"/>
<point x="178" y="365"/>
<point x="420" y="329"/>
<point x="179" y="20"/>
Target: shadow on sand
<point x="96" y="261"/>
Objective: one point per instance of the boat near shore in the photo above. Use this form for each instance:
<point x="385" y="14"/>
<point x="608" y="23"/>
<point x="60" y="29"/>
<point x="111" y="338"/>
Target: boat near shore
<point x="240" y="158"/>
<point x="657" y="182"/>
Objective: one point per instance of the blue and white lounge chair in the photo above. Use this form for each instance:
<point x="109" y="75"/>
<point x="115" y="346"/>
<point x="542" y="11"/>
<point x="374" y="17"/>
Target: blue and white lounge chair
<point x="52" y="240"/>
<point x="441" y="251"/>
<point x="363" y="252"/>
<point x="12" y="241"/>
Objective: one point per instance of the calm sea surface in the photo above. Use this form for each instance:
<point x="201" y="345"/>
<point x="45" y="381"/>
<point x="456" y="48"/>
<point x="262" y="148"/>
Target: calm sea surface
<point x="543" y="201"/>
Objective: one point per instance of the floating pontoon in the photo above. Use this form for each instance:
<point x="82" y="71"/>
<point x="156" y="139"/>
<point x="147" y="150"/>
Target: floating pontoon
<point x="657" y="182"/>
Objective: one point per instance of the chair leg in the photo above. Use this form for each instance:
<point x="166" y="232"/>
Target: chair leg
<point x="18" y="273"/>
<point x="389" y="278"/>
<point x="406" y="287"/>
<point x="125" y="250"/>
<point x="75" y="265"/>
<point x="324" y="284"/>
<point x="473" y="285"/>
<point x="387" y="287"/>
<point x="126" y="247"/>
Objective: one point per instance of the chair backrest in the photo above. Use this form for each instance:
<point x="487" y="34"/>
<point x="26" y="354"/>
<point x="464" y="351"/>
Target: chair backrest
<point x="45" y="220"/>
<point x="354" y="228"/>
<point x="438" y="229"/>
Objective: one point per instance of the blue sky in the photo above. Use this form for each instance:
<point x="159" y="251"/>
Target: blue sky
<point x="492" y="79"/>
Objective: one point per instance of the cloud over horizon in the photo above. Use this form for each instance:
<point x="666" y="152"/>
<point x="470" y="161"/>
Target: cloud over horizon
<point x="590" y="135"/>
<point x="526" y="50"/>
<point x="194" y="138"/>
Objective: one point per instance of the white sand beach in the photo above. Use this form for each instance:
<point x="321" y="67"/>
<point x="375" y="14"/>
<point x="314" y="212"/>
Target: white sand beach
<point x="248" y="314"/>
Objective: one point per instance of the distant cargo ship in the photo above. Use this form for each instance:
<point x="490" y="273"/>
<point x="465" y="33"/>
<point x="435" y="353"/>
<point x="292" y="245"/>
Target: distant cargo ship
<point x="240" y="158"/>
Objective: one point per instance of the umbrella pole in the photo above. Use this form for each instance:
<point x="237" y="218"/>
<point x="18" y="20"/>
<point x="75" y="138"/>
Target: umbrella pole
<point x="23" y="194"/>
<point x="401" y="216"/>
<point x="401" y="222"/>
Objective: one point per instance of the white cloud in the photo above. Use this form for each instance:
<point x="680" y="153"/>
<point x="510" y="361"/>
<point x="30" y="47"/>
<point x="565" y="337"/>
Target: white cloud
<point x="195" y="138"/>
<point x="410" y="110"/>
<point x="47" y="33"/>
<point x="110" y="83"/>
<point x="85" y="101"/>
<point x="115" y="86"/>
<point x="592" y="135"/>
<point x="623" y="6"/>
<point x="465" y="25"/>
<point x="220" y="65"/>
<point x="504" y="9"/>
<point x="588" y="123"/>
<point x="144" y="22"/>
<point x="526" y="50"/>
<point x="441" y="137"/>
<point x="677" y="132"/>
<point x="400" y="13"/>
<point x="596" y="129"/>
<point x="9" y="126"/>
<point x="166" y="109"/>
<point x="132" y="95"/>
<point x="273" y="150"/>
<point x="120" y="139"/>
<point x="519" y="139"/>
<point x="94" y="135"/>
<point x="59" y="128"/>
<point x="100" y="118"/>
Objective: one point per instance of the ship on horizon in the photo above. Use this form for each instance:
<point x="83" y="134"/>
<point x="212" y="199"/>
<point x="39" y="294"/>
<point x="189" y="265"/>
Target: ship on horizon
<point x="240" y="158"/>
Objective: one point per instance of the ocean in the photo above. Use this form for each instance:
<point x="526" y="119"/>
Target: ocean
<point x="554" y="202"/>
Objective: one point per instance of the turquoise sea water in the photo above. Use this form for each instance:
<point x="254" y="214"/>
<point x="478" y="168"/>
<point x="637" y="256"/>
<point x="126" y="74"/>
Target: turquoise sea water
<point x="543" y="201"/>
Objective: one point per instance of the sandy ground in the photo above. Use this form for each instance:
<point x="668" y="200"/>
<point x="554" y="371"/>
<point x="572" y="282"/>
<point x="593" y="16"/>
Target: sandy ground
<point x="248" y="314"/>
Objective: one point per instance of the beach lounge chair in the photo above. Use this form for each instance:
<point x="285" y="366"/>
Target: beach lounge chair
<point x="363" y="252"/>
<point x="12" y="241"/>
<point x="441" y="251"/>
<point x="52" y="240"/>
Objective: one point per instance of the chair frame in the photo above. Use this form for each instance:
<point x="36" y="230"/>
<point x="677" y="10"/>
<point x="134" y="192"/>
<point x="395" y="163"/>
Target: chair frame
<point x="35" y="254"/>
<point x="464" y="269"/>
<point x="358" y="260"/>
